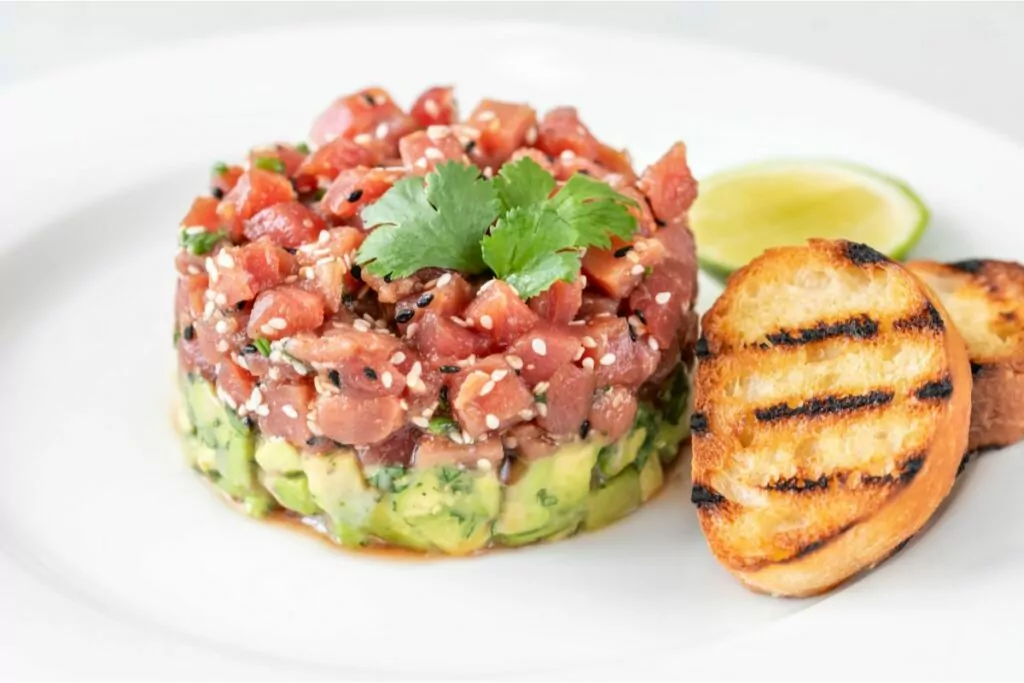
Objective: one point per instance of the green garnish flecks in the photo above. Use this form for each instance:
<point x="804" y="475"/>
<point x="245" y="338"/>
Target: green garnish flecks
<point x="272" y="164"/>
<point x="220" y="168"/>
<point x="262" y="345"/>
<point x="547" y="499"/>
<point x="442" y="425"/>
<point x="302" y="147"/>
<point x="200" y="243"/>
<point x="512" y="225"/>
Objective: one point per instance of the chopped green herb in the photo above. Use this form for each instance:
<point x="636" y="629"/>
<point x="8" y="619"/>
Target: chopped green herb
<point x="262" y="345"/>
<point x="319" y="194"/>
<point x="442" y="425"/>
<point x="302" y="147"/>
<point x="177" y="336"/>
<point x="532" y="247"/>
<point x="269" y="164"/>
<point x="547" y="499"/>
<point x="387" y="478"/>
<point x="201" y="242"/>
<point x="220" y="168"/>
<point x="540" y="398"/>
<point x="448" y="473"/>
<point x="437" y="224"/>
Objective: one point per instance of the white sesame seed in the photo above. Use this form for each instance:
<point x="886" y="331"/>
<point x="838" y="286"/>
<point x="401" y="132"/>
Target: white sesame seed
<point x="653" y="343"/>
<point x="588" y="363"/>
<point x="499" y="375"/>
<point x="241" y="362"/>
<point x="567" y="155"/>
<point x="444" y="279"/>
<point x="211" y="268"/>
<point x="485" y="115"/>
<point x="221" y="327"/>
<point x="224" y="259"/>
<point x="275" y="354"/>
<point x="583" y="281"/>
<point x="262" y="410"/>
<point x="541" y="387"/>
<point x="640" y="246"/>
<point x="456" y="437"/>
<point x="511" y="441"/>
<point x="579" y="353"/>
<point x="361" y="325"/>
<point x="267" y="330"/>
<point x="662" y="298"/>
<point x="362" y="139"/>
<point x="577" y="323"/>
<point x="195" y="230"/>
<point x="437" y="133"/>
<point x="459" y="321"/>
<point x="397" y="359"/>
<point x="324" y="237"/>
<point x="487" y="388"/>
<point x="290" y="411"/>
<point x="466" y="438"/>
<point x="275" y="373"/>
<point x="421" y="162"/>
<point x="632" y="256"/>
<point x="608" y="359"/>
<point x="299" y="368"/>
<point x="483" y="464"/>
<point x="314" y="428"/>
<point x="589" y="342"/>
<point x="386" y="379"/>
<point x="526" y="414"/>
<point x="487" y="322"/>
<point x="539" y="347"/>
<point x="428" y="411"/>
<point x="492" y="421"/>
<point x="433" y="153"/>
<point x="411" y="330"/>
<point x="430" y="106"/>
<point x="221" y="299"/>
<point x="278" y="323"/>
<point x="636" y="270"/>
<point x="382" y="131"/>
<point x="222" y="346"/>
<point x="541" y="408"/>
<point x="403" y="404"/>
<point x="531" y="135"/>
<point x="488" y="171"/>
<point x="192" y="270"/>
<point x="515" y="362"/>
<point x="420" y="422"/>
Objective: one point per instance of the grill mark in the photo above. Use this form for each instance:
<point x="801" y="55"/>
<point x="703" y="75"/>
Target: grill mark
<point x="977" y="368"/>
<point x="899" y="546"/>
<point x="698" y="423"/>
<point x="859" y="327"/>
<point x="972" y="266"/>
<point x="817" y="545"/>
<point x="908" y="470"/>
<point x="702" y="349"/>
<point x="939" y="389"/>
<point x="826" y="405"/>
<point x="705" y="496"/>
<point x="928" y="318"/>
<point x="862" y="254"/>
<point x="799" y="484"/>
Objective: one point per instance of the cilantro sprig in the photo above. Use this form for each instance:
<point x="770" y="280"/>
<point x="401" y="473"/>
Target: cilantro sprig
<point x="200" y="243"/>
<point x="515" y="225"/>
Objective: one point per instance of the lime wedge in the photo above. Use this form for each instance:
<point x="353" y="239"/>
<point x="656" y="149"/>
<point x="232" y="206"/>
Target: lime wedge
<point x="741" y="212"/>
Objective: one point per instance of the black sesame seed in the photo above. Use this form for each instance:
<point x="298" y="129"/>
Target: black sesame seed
<point x="619" y="253"/>
<point x="311" y="441"/>
<point x="425" y="300"/>
<point x="240" y="306"/>
<point x="189" y="333"/>
<point x="249" y="348"/>
<point x="387" y="278"/>
<point x="248" y="421"/>
<point x="632" y="332"/>
<point x="369" y="99"/>
<point x="370" y="373"/>
<point x="404" y="316"/>
<point x="640" y="316"/>
<point x="291" y="250"/>
<point x="217" y="193"/>
<point x="355" y="195"/>
<point x="449" y="369"/>
<point x="357" y="271"/>
<point x="583" y="171"/>
<point x="660" y="223"/>
<point x="470" y="146"/>
<point x="334" y="377"/>
<point x="584" y="429"/>
<point x="347" y="298"/>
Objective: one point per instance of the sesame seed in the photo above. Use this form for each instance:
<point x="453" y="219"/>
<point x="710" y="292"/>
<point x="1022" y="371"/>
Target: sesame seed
<point x="589" y="342"/>
<point x="633" y="257"/>
<point x="421" y="162"/>
<point x="224" y="259"/>
<point x="449" y="369"/>
<point x="488" y="171"/>
<point x="588" y="363"/>
<point x="403" y="404"/>
<point x="539" y="347"/>
<point x="577" y="323"/>
<point x="192" y="270"/>
<point x="514" y="362"/>
<point x="483" y="464"/>
<point x="584" y="429"/>
<point x="487" y="388"/>
<point x="208" y="310"/>
<point x="531" y="135"/>
<point x="397" y="359"/>
<point x="636" y="270"/>
<point x="567" y="155"/>
<point x="275" y="373"/>
<point x="434" y="153"/>
<point x="444" y="279"/>
<point x="386" y="379"/>
<point x="541" y="387"/>
<point x="211" y="268"/>
<point x="267" y="330"/>
<point x="221" y="299"/>
<point x="662" y="298"/>
<point x="290" y="412"/>
<point x="466" y="438"/>
<point x="492" y="421"/>
<point x="382" y="131"/>
<point x="487" y="322"/>
<point x="640" y="246"/>
<point x="430" y="106"/>
<point x="499" y="375"/>
<point x="653" y="343"/>
<point x="404" y="316"/>
<point x="411" y="330"/>
<point x="370" y="373"/>
<point x="221" y="327"/>
<point x="608" y="359"/>
<point x="362" y="139"/>
<point x="420" y="422"/>
<point x="361" y="325"/>
<point x="511" y="441"/>
<point x="622" y="251"/>
<point x="485" y="115"/>
<point x="278" y="323"/>
<point x="579" y="354"/>
<point x="526" y="414"/>
<point x="456" y="437"/>
<point x="195" y="229"/>
<point x="424" y="300"/>
<point x="541" y="408"/>
<point x="262" y="410"/>
<point x="459" y="321"/>
<point x="324" y="237"/>
<point x="436" y="133"/>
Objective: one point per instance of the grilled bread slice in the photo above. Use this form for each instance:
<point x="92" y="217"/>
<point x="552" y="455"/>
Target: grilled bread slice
<point x="986" y="302"/>
<point x="831" y="413"/>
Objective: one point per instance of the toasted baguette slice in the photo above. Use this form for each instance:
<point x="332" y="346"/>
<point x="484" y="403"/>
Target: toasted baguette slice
<point x="831" y="413"/>
<point x="986" y="302"/>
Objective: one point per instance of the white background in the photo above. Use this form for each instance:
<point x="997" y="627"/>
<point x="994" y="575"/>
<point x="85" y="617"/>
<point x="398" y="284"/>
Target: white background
<point x="965" y="57"/>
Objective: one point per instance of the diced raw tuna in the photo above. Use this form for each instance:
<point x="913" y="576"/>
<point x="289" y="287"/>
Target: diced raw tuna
<point x="617" y="355"/>
<point x="285" y="311"/>
<point x="435" y="107"/>
<point x="244" y="272"/>
<point x="568" y="397"/>
<point x="355" y="188"/>
<point x="504" y="127"/>
<point x="440" y="450"/>
<point x="288" y="405"/>
<point x="613" y="412"/>
<point x="559" y="303"/>
<point x="543" y="350"/>
<point x="423" y="151"/>
<point x="289" y="225"/>
<point x="561" y="130"/>
<point x="359" y="419"/>
<point x="489" y="397"/>
<point x="333" y="158"/>
<point x="499" y="313"/>
<point x="669" y="185"/>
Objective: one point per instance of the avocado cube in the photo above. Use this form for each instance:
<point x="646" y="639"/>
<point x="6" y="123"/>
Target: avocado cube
<point x="616" y="499"/>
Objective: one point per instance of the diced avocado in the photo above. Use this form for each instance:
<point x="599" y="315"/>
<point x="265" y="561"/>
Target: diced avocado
<point x="652" y="478"/>
<point x="278" y="456"/>
<point x="199" y="455"/>
<point x="281" y="474"/>
<point x="443" y="507"/>
<point x="617" y="456"/>
<point x="616" y="499"/>
<point x="336" y="484"/>
<point x="550" y="497"/>
<point x="675" y="401"/>
<point x="218" y="430"/>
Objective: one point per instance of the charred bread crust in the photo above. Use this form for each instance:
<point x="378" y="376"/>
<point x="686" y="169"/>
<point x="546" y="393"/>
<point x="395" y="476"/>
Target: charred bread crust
<point x="809" y="353"/>
<point x="986" y="301"/>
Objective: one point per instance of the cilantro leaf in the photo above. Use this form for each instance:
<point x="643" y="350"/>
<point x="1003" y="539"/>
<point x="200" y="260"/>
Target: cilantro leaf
<point x="302" y="147"/>
<point x="594" y="210"/>
<point x="437" y="224"/>
<point x="262" y="345"/>
<point x="219" y="168"/>
<point x="272" y="164"/>
<point x="200" y="243"/>
<point x="523" y="183"/>
<point x="440" y="425"/>
<point x="532" y="247"/>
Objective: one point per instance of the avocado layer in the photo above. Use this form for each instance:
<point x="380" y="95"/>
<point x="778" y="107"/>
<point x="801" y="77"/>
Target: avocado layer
<point x="584" y="484"/>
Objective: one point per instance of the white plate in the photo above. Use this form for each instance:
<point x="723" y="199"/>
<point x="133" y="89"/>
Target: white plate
<point x="117" y="560"/>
